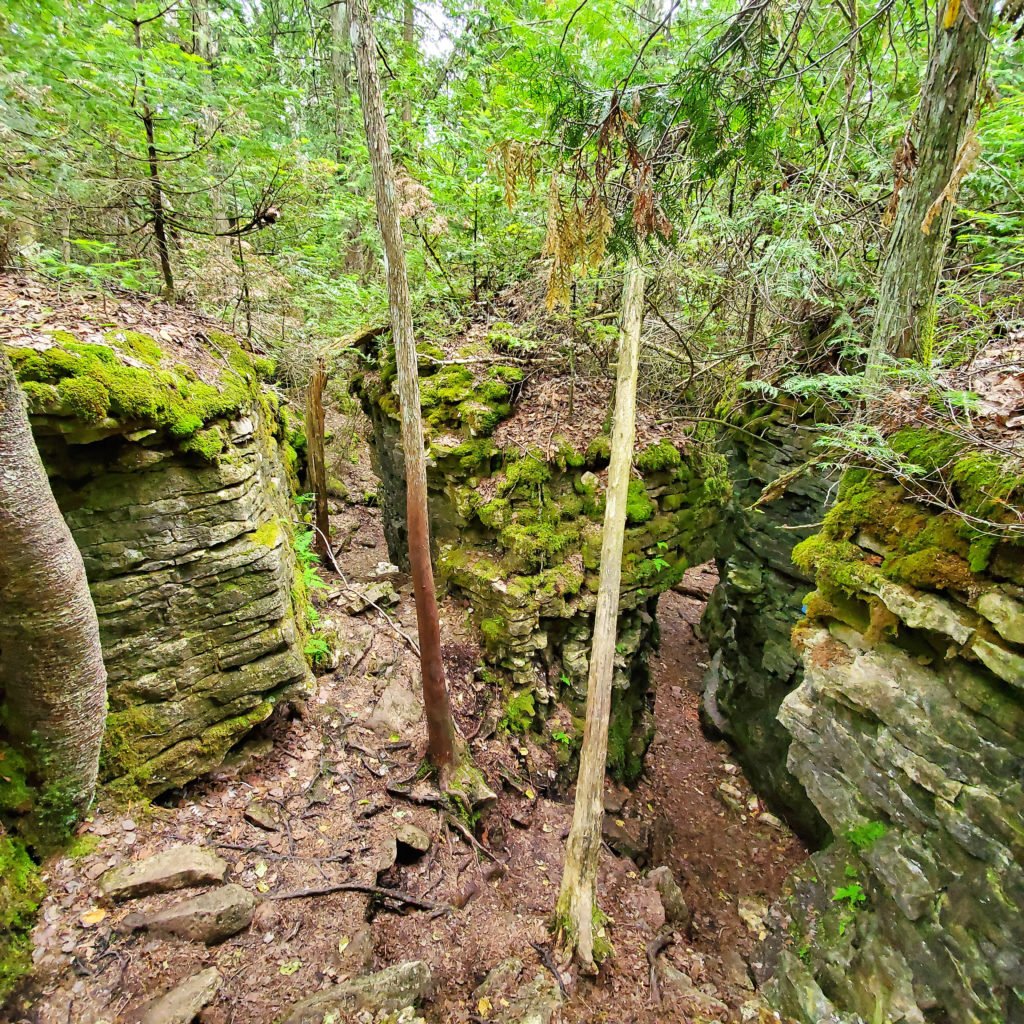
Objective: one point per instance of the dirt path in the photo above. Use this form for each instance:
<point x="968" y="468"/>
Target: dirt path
<point x="327" y="816"/>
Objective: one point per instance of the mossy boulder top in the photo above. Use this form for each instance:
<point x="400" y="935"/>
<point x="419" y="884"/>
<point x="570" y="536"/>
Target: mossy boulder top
<point x="172" y="381"/>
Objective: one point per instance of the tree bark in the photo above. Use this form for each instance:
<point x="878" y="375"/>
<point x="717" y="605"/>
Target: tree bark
<point x="440" y="727"/>
<point x="317" y="459"/>
<point x="52" y="679"/>
<point x="340" y="71"/>
<point x="908" y="287"/>
<point x="409" y="38"/>
<point x="574" y="913"/>
<point x="156" y="192"/>
<point x="202" y="45"/>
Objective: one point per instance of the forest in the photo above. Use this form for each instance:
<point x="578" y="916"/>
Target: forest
<point x="511" y="512"/>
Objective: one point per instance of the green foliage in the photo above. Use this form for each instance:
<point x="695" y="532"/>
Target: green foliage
<point x="865" y="835"/>
<point x="520" y="712"/>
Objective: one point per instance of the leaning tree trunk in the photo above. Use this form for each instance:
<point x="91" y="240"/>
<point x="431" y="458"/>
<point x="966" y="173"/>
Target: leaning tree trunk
<point x="440" y="727"/>
<point x="574" y="914"/>
<point x="52" y="679"/>
<point x="944" y="150"/>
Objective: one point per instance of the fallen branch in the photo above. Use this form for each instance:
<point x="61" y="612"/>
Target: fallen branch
<point x="370" y="890"/>
<point x="548" y="961"/>
<point x="454" y="823"/>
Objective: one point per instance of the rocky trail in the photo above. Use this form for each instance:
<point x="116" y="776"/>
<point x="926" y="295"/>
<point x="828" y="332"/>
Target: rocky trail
<point x="314" y="879"/>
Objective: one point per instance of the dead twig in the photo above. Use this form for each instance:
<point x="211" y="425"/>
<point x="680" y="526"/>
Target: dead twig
<point x="549" y="962"/>
<point x="382" y="893"/>
<point x="454" y="823"/>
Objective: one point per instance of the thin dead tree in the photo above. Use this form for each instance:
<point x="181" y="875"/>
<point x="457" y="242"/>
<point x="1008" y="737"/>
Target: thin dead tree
<point x="440" y="725"/>
<point x="53" y="686"/>
<point x="575" y="911"/>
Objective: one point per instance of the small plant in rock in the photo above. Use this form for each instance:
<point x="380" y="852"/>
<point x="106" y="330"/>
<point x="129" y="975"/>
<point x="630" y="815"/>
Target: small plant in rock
<point x="318" y="651"/>
<point x="308" y="561"/>
<point x="864" y="836"/>
<point x="559" y="736"/>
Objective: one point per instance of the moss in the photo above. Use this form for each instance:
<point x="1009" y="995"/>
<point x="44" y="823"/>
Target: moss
<point x="493" y="630"/>
<point x="599" y="451"/>
<point x="533" y="545"/>
<point x="93" y="382"/>
<point x="136" y="344"/>
<point x="639" y="507"/>
<point x="21" y="891"/>
<point x="208" y="444"/>
<point x="84" y="398"/>
<point x="657" y="457"/>
<point x="268" y="534"/>
<point x="16" y="795"/>
<point x="527" y="472"/>
<point x="520" y="712"/>
<point x="82" y="846"/>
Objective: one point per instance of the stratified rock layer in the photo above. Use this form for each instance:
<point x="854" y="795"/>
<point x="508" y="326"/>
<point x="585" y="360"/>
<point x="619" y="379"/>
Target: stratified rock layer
<point x="908" y="734"/>
<point x="170" y="474"/>
<point x="757" y="602"/>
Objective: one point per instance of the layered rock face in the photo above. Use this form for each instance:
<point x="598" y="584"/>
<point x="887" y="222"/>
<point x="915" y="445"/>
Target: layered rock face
<point x="758" y="600"/>
<point x="516" y="525"/>
<point x="908" y="734"/>
<point x="171" y="477"/>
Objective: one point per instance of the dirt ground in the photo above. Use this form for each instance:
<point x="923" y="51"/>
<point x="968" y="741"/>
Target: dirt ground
<point x="325" y="779"/>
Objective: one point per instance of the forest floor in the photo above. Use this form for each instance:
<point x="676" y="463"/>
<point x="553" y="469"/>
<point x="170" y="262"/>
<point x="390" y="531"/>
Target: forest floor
<point x="321" y="792"/>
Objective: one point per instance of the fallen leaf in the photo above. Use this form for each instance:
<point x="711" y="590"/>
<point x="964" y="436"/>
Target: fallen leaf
<point x="92" y="917"/>
<point x="343" y="943"/>
<point x="290" y="968"/>
<point x="483" y="1007"/>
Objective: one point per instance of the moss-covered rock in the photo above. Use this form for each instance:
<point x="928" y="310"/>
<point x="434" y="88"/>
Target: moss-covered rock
<point x="172" y="481"/>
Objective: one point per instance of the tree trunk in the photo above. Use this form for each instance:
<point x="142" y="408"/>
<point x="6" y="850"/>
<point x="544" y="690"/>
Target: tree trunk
<point x="202" y="45"/>
<point x="577" y="899"/>
<point x="317" y="460"/>
<point x="907" y="293"/>
<point x="440" y="727"/>
<point x="52" y="679"/>
<point x="156" y="192"/>
<point x="409" y="38"/>
<point x="339" y="68"/>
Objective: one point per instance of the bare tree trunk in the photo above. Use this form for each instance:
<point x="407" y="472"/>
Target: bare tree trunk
<point x="317" y="459"/>
<point x="53" y="686"/>
<point x="409" y="38"/>
<point x="202" y="43"/>
<point x="156" y="192"/>
<point x="340" y="71"/>
<point x="574" y="913"/>
<point x="440" y="727"/>
<point x="945" y="148"/>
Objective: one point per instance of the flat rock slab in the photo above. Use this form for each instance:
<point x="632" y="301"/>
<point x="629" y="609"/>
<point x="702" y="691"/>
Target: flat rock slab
<point x="182" y="1004"/>
<point x="176" y="868"/>
<point x="394" y="988"/>
<point x="536" y="1002"/>
<point x="212" y="917"/>
<point x="412" y="841"/>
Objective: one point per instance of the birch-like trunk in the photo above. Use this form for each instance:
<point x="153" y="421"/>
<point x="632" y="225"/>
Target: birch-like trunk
<point x="440" y="727"/>
<point x="574" y="913"/>
<point x="52" y="679"/>
<point x="945" y="148"/>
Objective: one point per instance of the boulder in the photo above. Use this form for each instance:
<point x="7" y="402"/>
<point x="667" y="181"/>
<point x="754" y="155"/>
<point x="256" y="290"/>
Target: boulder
<point x="626" y="840"/>
<point x="536" y="1002"/>
<point x="177" y="868"/>
<point x="211" y="918"/>
<point x="395" y="988"/>
<point x="181" y="1005"/>
<point x="412" y="842"/>
<point x="398" y="710"/>
<point x="677" y="913"/>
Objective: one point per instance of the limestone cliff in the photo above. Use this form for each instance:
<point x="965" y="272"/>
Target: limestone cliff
<point x="908" y="734"/>
<point x="759" y="599"/>
<point x="166" y="455"/>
